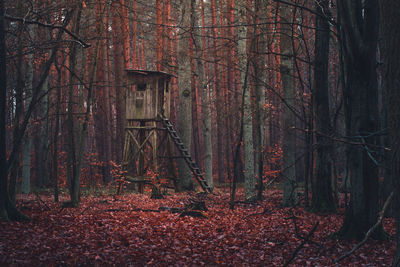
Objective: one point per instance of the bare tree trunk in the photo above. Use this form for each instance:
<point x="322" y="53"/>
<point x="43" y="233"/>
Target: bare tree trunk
<point x="19" y="106"/>
<point x="118" y="54"/>
<point x="390" y="18"/>
<point x="358" y="53"/>
<point x="26" y="166"/>
<point x="322" y="198"/>
<point x="289" y="136"/>
<point x="41" y="142"/>
<point x="259" y="59"/>
<point x="185" y="181"/>
<point x="248" y="144"/>
<point x="72" y="161"/>
<point x="8" y="211"/>
<point x="205" y="101"/>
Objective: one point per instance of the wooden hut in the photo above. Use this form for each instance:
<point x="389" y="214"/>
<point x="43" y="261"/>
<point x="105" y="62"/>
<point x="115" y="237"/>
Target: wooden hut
<point x="148" y="94"/>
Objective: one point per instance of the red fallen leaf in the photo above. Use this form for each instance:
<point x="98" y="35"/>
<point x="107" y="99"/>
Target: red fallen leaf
<point x="136" y="239"/>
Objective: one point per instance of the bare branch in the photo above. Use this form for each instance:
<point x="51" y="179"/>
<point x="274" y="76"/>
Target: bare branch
<point x="306" y="239"/>
<point x="52" y="26"/>
<point x="370" y="231"/>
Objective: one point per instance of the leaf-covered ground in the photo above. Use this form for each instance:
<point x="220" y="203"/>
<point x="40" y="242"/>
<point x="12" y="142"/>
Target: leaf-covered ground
<point x="108" y="231"/>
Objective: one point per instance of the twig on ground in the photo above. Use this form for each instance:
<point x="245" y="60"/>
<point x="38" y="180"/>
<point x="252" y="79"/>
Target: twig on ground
<point x="306" y="239"/>
<point x="130" y="210"/>
<point x="370" y="231"/>
<point x="296" y="230"/>
<point x="41" y="201"/>
<point x="266" y="210"/>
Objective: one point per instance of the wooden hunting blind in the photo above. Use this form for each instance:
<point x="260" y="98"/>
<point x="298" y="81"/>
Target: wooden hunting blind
<point x="148" y="131"/>
<point x="148" y="94"/>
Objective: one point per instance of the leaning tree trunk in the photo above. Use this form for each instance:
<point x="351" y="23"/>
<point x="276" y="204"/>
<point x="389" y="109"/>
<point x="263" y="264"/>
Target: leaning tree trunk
<point x="358" y="53"/>
<point x="322" y="198"/>
<point x="390" y="11"/>
<point x="289" y="136"/>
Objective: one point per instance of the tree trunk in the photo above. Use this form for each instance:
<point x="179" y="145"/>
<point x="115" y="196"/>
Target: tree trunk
<point x="19" y="106"/>
<point x="8" y="211"/>
<point x="72" y="161"/>
<point x="185" y="182"/>
<point x="322" y="198"/>
<point x="41" y="142"/>
<point x="358" y="53"/>
<point x="26" y="166"/>
<point x="119" y="65"/>
<point x="205" y="101"/>
<point x="248" y="144"/>
<point x="390" y="18"/>
<point x="289" y="136"/>
<point x="216" y="88"/>
<point x="258" y="59"/>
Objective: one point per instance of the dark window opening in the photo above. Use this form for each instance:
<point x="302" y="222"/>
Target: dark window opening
<point x="141" y="87"/>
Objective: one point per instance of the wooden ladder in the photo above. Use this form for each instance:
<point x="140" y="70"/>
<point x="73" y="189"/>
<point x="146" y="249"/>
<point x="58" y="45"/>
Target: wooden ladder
<point x="185" y="154"/>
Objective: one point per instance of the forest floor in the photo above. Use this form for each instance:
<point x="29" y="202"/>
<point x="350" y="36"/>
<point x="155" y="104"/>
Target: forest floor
<point x="122" y="231"/>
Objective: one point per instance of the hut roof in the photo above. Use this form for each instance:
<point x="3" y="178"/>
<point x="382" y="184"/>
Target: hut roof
<point x="149" y="73"/>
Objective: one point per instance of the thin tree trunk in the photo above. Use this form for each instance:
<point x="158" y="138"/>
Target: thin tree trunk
<point x="26" y="166"/>
<point x="248" y="144"/>
<point x="18" y="110"/>
<point x="205" y="101"/>
<point x="119" y="65"/>
<point x="259" y="92"/>
<point x="72" y="163"/>
<point x="55" y="139"/>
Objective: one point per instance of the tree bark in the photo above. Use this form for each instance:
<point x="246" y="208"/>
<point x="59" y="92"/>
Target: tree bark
<point x="19" y="106"/>
<point x="185" y="182"/>
<point x="248" y="143"/>
<point x="119" y="65"/>
<point x="358" y="54"/>
<point x="259" y="60"/>
<point x="26" y="166"/>
<point x="8" y="211"/>
<point x="322" y="198"/>
<point x="287" y="79"/>
<point x="72" y="161"/>
<point x="205" y="101"/>
<point x="390" y="19"/>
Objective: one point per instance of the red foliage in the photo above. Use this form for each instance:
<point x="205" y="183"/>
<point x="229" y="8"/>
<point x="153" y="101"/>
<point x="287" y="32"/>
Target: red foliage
<point x="106" y="231"/>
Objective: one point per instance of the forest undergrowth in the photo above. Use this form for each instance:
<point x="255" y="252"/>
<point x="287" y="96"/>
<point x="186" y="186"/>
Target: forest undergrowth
<point x="134" y="230"/>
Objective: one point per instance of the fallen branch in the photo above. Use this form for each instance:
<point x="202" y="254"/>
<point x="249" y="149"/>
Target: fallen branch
<point x="306" y="239"/>
<point x="296" y="230"/>
<point x="41" y="201"/>
<point x="370" y="231"/>
<point x="265" y="211"/>
<point x="130" y="210"/>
